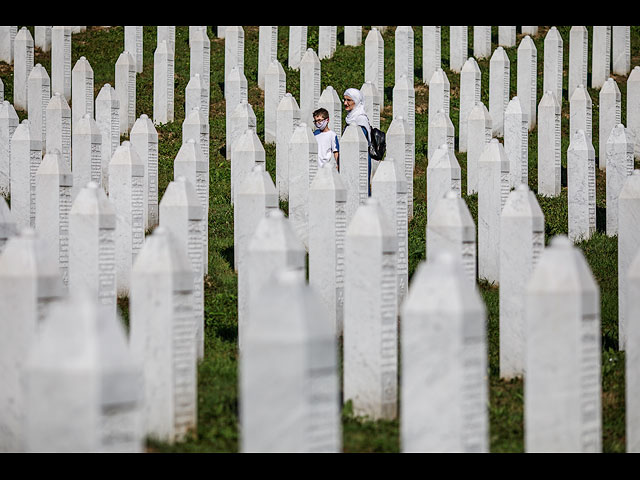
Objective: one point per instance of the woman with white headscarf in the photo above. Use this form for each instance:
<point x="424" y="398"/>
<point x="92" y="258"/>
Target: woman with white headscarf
<point x="356" y="115"/>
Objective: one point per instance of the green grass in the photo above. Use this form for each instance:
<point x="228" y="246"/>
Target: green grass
<point x="217" y="374"/>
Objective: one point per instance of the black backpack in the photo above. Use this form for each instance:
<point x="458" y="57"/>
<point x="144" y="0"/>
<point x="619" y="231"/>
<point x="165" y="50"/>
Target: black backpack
<point x="377" y="144"/>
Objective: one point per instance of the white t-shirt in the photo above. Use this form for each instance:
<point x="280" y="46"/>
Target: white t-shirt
<point x="327" y="145"/>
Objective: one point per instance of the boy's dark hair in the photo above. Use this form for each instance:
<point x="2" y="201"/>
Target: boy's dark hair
<point x="321" y="112"/>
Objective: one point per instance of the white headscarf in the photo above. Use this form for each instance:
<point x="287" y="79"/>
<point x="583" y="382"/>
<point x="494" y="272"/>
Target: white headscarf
<point x="357" y="115"/>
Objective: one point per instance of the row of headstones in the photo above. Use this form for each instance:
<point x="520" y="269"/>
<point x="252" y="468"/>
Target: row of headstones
<point x="537" y="234"/>
<point x="64" y="348"/>
<point x="356" y="282"/>
<point x="169" y="411"/>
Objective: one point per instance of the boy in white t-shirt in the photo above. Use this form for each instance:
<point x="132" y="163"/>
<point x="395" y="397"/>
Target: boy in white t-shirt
<point x="327" y="139"/>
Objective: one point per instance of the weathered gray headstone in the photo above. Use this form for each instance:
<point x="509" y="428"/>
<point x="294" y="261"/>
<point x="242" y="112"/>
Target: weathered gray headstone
<point x="580" y="112"/>
<point x="507" y="36"/>
<point x="353" y="36"/>
<point x="620" y="50"/>
<point x="303" y="164"/>
<point x="233" y="49"/>
<point x="42" y="38"/>
<point x="267" y="52"/>
<point x="439" y="92"/>
<point x="443" y="175"/>
<point x="354" y="168"/>
<point x="247" y="153"/>
<point x="133" y="43"/>
<point x="327" y="41"/>
<point x="441" y="131"/>
<point x="7" y="37"/>
<point x="374" y="61"/>
<point x="404" y="52"/>
<point x="297" y="45"/>
<point x="400" y="147"/>
<point x="310" y="74"/>
<point x="236" y="92"/>
<point x="481" y="42"/>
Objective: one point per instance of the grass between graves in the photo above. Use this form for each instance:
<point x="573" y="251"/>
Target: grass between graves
<point x="217" y="374"/>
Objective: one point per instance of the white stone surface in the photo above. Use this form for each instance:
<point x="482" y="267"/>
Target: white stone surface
<point x="353" y="36"/>
<point x="8" y="227"/>
<point x="126" y="191"/>
<point x="451" y="228"/>
<point x="29" y="282"/>
<point x="354" y="168"/>
<point x="581" y="187"/>
<point x="163" y="337"/>
<point x="374" y="60"/>
<point x="287" y="119"/>
<point x="480" y="133"/>
<point x="441" y="131"/>
<point x="26" y="155"/>
<point x="389" y="187"/>
<point x="297" y="45"/>
<point x="327" y="41"/>
<point x="600" y="56"/>
<point x="330" y="100"/>
<point x="125" y="86"/>
<point x="499" y="88"/>
<point x="133" y="43"/>
<point x="580" y="112"/>
<point x="8" y="123"/>
<point x="481" y="42"/>
<point x="327" y="229"/>
<point x="289" y="395"/>
<point x="275" y="87"/>
<point x="619" y="147"/>
<point x="516" y="142"/>
<point x="58" y="127"/>
<point x="439" y="92"/>
<point x="493" y="189"/>
<point x="562" y="391"/>
<point x="310" y="75"/>
<point x="527" y="81"/>
<point x="458" y="47"/>
<point x="108" y="120"/>
<point x="431" y="51"/>
<point x="86" y="159"/>
<point x="404" y="52"/>
<point x="632" y="386"/>
<point x="549" y="146"/>
<point x="23" y="55"/>
<point x="620" y="49"/>
<point x="267" y="52"/>
<point x="610" y="115"/>
<point x="82" y="80"/>
<point x="521" y="243"/>
<point x="633" y="106"/>
<point x="303" y="165"/>
<point x="182" y="215"/>
<point x="236" y="92"/>
<point x="628" y="241"/>
<point x="144" y="138"/>
<point x="370" y="366"/>
<point x="443" y="175"/>
<point x="61" y="61"/>
<point x="39" y="94"/>
<point x="273" y="246"/>
<point x="553" y="63"/>
<point x="470" y="93"/>
<point x="92" y="230"/>
<point x="444" y="385"/>
<point x="401" y="148"/>
<point x="578" y="58"/>
<point x="163" y="84"/>
<point x="507" y="36"/>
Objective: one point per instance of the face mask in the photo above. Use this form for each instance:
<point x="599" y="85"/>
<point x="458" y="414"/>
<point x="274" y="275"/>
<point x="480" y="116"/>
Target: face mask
<point x="321" y="125"/>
